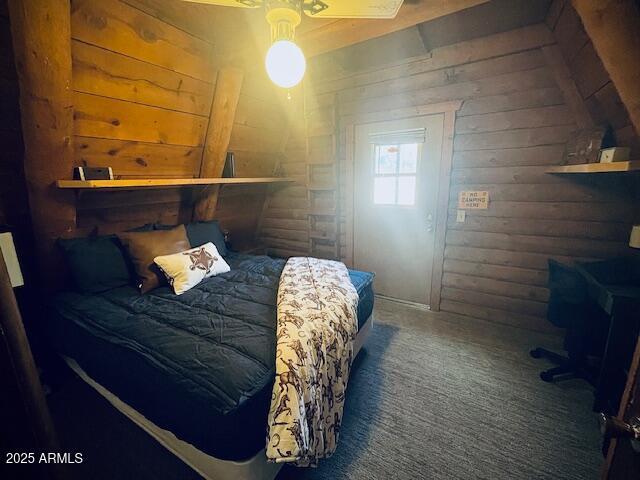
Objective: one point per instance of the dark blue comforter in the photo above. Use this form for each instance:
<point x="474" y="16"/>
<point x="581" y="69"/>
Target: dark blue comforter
<point x="200" y="364"/>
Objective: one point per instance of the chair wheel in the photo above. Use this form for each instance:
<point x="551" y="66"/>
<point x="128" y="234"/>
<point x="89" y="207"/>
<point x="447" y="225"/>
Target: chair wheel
<point x="535" y="353"/>
<point x="546" y="377"/>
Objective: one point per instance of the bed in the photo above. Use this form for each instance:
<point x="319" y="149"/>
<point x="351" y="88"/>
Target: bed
<point x="199" y="366"/>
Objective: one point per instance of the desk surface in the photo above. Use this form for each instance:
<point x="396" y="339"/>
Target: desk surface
<point x="611" y="283"/>
<point x="609" y="279"/>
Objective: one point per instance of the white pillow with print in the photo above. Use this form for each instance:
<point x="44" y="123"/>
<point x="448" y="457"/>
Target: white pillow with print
<point x="187" y="269"/>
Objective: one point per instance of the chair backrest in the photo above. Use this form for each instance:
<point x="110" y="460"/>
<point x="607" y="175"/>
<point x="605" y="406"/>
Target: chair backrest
<point x="566" y="283"/>
<point x="567" y="294"/>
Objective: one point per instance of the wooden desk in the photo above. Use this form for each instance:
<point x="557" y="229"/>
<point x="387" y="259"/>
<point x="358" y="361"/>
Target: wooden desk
<point x="611" y="279"/>
<point x="614" y="286"/>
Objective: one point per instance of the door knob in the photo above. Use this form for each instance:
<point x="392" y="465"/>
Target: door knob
<point x="612" y="427"/>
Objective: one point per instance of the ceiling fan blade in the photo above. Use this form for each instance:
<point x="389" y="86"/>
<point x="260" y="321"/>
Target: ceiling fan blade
<point x="230" y="3"/>
<point x="352" y="8"/>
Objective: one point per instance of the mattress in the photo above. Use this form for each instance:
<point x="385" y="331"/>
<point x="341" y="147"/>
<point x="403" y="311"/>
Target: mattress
<point x="201" y="364"/>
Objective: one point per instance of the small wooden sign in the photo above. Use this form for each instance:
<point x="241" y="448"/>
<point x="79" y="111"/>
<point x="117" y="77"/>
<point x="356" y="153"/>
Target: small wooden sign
<point x="473" y="200"/>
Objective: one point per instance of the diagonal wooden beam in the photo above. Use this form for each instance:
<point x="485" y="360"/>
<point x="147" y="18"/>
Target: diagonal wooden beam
<point x="342" y="33"/>
<point x="614" y="28"/>
<point x="223" y="113"/>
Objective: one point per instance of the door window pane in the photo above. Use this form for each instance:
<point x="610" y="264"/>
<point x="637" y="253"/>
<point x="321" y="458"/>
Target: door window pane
<point x="384" y="190"/>
<point x="395" y="174"/>
<point x="406" y="191"/>
<point x="409" y="158"/>
<point x="386" y="159"/>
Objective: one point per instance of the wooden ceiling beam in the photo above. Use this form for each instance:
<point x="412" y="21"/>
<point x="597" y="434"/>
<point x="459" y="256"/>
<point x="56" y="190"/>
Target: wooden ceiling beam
<point x="345" y="32"/>
<point x="614" y="29"/>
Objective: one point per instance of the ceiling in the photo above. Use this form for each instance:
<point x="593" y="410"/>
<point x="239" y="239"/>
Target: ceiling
<point x="493" y="17"/>
<point x="241" y="35"/>
<point x="486" y="19"/>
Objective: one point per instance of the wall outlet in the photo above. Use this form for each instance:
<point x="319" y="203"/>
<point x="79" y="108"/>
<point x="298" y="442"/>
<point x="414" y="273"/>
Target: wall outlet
<point x="461" y="215"/>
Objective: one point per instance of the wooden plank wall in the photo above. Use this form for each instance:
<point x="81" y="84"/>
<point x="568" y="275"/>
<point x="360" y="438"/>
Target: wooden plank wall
<point x="323" y="179"/>
<point x="143" y="92"/>
<point x="257" y="141"/>
<point x="284" y="226"/>
<point x="590" y="76"/>
<point x="513" y="123"/>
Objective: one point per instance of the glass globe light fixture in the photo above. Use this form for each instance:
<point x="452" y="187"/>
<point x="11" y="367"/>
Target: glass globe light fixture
<point x="285" y="63"/>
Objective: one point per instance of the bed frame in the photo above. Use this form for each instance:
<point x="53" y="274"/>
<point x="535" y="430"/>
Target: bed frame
<point x="211" y="468"/>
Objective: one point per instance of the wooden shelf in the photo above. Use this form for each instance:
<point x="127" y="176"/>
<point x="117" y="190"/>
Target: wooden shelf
<point x="612" y="167"/>
<point x="130" y="184"/>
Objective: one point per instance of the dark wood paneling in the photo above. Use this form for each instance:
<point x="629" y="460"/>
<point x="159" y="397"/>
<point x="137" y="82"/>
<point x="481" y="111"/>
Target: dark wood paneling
<point x="568" y="32"/>
<point x="552" y="228"/>
<point x="455" y="74"/>
<point x="524" y="118"/>
<point x="597" y="212"/>
<point x="539" y="97"/>
<point x="536" y="244"/>
<point x="458" y="54"/>
<point x="501" y="84"/>
<point x="526" y="137"/>
<point x="554" y="193"/>
<point x="591" y="77"/>
<point x="507" y="258"/>
<point x="588" y="71"/>
<point x="524" y="276"/>
<point x="527" y="156"/>
<point x="513" y="124"/>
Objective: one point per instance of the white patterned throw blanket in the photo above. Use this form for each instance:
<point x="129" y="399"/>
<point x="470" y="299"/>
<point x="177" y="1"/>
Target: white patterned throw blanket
<point x="316" y="329"/>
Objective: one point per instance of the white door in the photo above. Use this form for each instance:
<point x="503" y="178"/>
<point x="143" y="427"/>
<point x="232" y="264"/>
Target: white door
<point x="396" y="173"/>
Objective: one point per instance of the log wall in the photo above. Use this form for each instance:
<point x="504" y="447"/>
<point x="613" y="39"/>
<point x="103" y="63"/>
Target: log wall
<point x="514" y="122"/>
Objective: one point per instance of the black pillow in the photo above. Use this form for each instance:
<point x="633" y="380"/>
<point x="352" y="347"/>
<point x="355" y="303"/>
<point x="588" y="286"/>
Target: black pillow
<point x="160" y="226"/>
<point x="147" y="227"/>
<point x="200" y="233"/>
<point x="96" y="263"/>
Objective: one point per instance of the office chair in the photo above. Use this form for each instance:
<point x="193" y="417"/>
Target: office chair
<point x="570" y="308"/>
